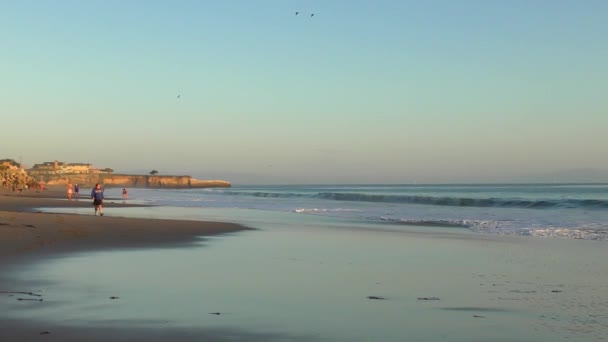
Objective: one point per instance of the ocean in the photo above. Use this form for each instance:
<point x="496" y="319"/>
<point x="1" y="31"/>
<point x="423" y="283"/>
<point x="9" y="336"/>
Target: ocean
<point x="318" y="253"/>
<point x="565" y="210"/>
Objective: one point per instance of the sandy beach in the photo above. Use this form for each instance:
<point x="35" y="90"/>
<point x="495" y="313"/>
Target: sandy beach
<point x="27" y="236"/>
<point x="25" y="231"/>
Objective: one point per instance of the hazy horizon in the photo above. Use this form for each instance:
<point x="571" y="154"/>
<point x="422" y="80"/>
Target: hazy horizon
<point x="386" y="92"/>
<point x="572" y="176"/>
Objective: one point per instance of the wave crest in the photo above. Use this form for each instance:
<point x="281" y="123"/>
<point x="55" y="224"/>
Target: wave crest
<point x="434" y="200"/>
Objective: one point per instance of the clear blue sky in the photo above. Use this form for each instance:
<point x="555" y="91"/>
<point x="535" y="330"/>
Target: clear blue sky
<point x="364" y="91"/>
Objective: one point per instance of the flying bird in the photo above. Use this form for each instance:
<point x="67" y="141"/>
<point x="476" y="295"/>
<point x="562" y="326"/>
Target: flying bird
<point x="312" y="15"/>
<point x="297" y="13"/>
<point x="178" y="96"/>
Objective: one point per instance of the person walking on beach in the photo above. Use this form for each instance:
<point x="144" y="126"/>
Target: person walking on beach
<point x="125" y="194"/>
<point x="69" y="191"/>
<point x="76" y="191"/>
<point x="97" y="196"/>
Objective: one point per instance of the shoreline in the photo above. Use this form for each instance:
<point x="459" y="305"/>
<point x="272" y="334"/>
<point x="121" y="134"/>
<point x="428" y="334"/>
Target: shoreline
<point x="26" y="233"/>
<point x="28" y="236"/>
<point x="549" y="289"/>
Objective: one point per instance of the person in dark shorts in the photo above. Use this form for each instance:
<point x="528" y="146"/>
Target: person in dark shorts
<point x="76" y="190"/>
<point x="97" y="196"/>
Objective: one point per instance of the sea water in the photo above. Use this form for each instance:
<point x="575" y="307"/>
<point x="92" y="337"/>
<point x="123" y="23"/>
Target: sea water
<point x="566" y="210"/>
<point x="308" y="269"/>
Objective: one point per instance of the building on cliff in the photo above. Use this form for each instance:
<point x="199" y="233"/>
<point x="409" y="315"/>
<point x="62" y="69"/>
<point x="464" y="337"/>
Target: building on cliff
<point x="77" y="168"/>
<point x="59" y="168"/>
<point x="60" y="173"/>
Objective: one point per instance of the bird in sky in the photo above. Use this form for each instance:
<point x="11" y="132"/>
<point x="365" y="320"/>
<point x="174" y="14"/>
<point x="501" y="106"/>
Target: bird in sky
<point x="312" y="15"/>
<point x="179" y="96"/>
<point x="297" y="13"/>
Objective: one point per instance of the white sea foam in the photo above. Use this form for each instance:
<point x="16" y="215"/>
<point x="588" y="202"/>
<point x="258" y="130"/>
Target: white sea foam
<point x="323" y="210"/>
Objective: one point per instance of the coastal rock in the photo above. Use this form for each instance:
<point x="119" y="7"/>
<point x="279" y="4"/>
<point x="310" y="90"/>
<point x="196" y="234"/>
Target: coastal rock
<point x="12" y="175"/>
<point x="197" y="183"/>
<point x="428" y="298"/>
<point x="376" y="298"/>
<point x="133" y="181"/>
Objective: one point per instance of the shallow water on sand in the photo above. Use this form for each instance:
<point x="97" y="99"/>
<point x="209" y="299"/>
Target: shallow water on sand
<point x="308" y="277"/>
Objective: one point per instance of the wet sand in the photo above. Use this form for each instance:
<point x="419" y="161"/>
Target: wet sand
<point x="24" y="230"/>
<point x="27" y="236"/>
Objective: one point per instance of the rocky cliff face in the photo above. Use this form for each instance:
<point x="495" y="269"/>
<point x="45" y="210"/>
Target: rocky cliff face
<point x="15" y="177"/>
<point x="133" y="181"/>
<point x="197" y="183"/>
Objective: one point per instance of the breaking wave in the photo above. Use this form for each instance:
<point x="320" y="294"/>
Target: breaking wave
<point x="434" y="200"/>
<point x="585" y="231"/>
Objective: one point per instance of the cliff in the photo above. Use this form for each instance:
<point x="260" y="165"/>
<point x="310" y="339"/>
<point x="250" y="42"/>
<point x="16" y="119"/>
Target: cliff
<point x="12" y="175"/>
<point x="132" y="181"/>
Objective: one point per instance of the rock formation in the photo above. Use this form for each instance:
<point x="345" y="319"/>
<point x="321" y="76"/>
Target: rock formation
<point x="133" y="181"/>
<point x="13" y="176"/>
<point x="50" y="173"/>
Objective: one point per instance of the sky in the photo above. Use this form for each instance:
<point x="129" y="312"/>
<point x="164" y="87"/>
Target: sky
<point x="362" y="92"/>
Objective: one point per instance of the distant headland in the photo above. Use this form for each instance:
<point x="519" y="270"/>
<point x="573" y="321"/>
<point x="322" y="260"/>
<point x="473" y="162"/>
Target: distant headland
<point x="61" y="173"/>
